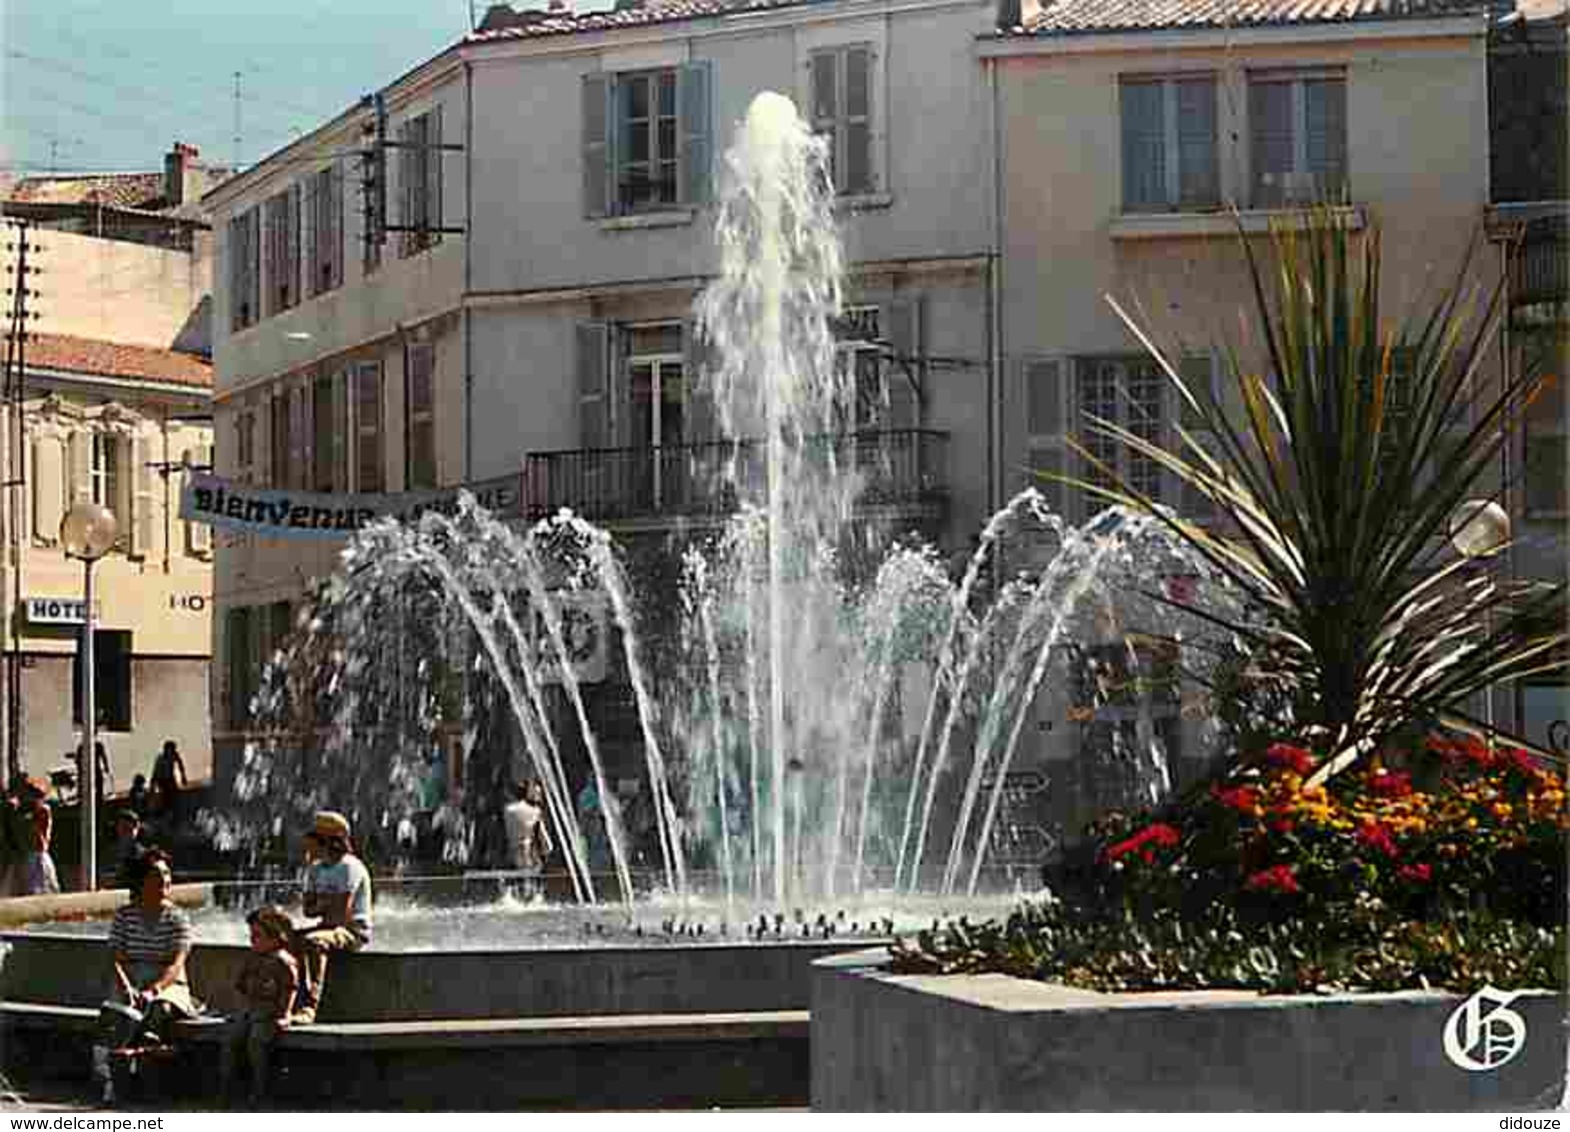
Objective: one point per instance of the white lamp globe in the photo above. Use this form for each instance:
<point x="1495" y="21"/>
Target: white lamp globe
<point x="88" y="530"/>
<point x="1478" y="528"/>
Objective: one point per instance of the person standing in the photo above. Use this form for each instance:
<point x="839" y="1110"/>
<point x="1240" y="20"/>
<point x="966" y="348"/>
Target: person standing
<point x="529" y="836"/>
<point x="128" y="846"/>
<point x="38" y="867"/>
<point x="338" y="894"/>
<point x="165" y="768"/>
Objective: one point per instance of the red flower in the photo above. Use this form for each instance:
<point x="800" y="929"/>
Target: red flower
<point x="1282" y="825"/>
<point x="1145" y="841"/>
<point x="1390" y="783"/>
<point x="1375" y="836"/>
<point x="1290" y="757"/>
<point x="1240" y="798"/>
<point x="1418" y="874"/>
<point x="1277" y="878"/>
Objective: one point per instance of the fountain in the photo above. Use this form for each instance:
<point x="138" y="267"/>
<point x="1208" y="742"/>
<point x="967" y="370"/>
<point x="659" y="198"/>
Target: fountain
<point x="823" y="732"/>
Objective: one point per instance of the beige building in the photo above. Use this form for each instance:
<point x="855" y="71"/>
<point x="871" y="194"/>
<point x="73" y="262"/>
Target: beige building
<point x="112" y="403"/>
<point x="1126" y="133"/>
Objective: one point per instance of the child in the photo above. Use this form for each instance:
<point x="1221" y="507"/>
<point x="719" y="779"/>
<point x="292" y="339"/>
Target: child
<point x="267" y="985"/>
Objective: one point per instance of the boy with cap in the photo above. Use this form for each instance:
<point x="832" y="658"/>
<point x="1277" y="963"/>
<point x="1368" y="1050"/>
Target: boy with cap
<point x="338" y="893"/>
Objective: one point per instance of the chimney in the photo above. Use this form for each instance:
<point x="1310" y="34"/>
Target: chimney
<point x="559" y="8"/>
<point x="182" y="177"/>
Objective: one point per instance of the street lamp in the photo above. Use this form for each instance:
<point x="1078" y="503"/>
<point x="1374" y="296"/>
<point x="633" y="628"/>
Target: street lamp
<point x="87" y="532"/>
<point x="1478" y="529"/>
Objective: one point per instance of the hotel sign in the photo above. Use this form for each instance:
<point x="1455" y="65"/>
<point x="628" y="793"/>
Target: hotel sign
<point x="271" y="513"/>
<point x="55" y="610"/>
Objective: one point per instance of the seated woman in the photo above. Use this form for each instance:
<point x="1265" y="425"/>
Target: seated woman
<point x="149" y="942"/>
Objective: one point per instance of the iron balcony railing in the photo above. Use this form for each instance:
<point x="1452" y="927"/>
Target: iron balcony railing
<point x="1538" y="270"/>
<point x="901" y="469"/>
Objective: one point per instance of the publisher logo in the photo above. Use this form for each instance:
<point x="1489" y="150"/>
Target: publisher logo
<point x="1483" y="1032"/>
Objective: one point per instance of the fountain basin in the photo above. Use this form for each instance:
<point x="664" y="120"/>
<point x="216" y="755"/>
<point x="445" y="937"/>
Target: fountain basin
<point x="883" y="1042"/>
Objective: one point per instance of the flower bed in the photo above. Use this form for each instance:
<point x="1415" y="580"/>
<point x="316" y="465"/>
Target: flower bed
<point x="1438" y="865"/>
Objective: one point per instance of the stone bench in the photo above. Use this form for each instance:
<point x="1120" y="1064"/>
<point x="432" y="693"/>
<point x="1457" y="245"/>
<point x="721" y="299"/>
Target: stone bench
<point x="624" y="1060"/>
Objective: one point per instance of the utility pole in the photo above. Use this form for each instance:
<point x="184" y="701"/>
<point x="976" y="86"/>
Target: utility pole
<point x="20" y="274"/>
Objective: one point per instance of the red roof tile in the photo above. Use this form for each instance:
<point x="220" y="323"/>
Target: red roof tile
<point x="114" y="359"/>
<point x="1064" y="17"/>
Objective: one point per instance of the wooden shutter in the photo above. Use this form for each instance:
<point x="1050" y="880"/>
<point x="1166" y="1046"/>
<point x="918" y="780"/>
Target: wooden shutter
<point x="857" y="174"/>
<point x="341" y="431"/>
<point x="310" y="273"/>
<point x="143" y="515"/>
<point x="595" y="418"/>
<point x="1198" y="173"/>
<point x="238" y="296"/>
<point x="1046" y="398"/>
<point x="905" y="375"/>
<point x="694" y="111"/>
<point x="299" y="438"/>
<point x="408" y="162"/>
<point x="80" y="489"/>
<point x="701" y="419"/>
<point x="1199" y="374"/>
<point x="599" y="144"/>
<point x="1142" y="107"/>
<point x="1324" y="113"/>
<point x="48" y="488"/>
<point x="824" y="80"/>
<point x="433" y="173"/>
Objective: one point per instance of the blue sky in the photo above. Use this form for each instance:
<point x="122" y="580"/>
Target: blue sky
<point x="91" y="85"/>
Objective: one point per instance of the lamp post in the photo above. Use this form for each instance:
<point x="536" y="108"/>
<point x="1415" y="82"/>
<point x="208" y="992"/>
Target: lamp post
<point x="1480" y="529"/>
<point x="87" y="532"/>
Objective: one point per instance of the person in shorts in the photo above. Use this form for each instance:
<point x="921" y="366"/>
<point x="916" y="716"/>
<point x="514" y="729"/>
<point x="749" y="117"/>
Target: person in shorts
<point x="338" y="895"/>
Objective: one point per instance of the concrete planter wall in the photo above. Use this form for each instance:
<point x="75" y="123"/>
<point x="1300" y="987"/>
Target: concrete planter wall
<point x="883" y="1042"/>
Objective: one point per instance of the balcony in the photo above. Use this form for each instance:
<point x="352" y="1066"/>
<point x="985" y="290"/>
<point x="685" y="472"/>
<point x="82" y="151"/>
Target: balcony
<point x="1538" y="272"/>
<point x="905" y="470"/>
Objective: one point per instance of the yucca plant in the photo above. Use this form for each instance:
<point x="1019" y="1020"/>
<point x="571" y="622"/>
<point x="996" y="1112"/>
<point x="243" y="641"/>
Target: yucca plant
<point x="1335" y="487"/>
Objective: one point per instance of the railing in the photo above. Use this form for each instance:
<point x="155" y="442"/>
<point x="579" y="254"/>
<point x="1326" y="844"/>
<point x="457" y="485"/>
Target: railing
<point x="901" y="469"/>
<point x="1538" y="271"/>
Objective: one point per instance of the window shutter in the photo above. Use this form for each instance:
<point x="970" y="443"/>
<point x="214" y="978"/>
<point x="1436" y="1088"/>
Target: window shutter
<point x="1144" y="146"/>
<point x="335" y="250"/>
<point x="1270" y="145"/>
<point x="1198" y="175"/>
<point x="594" y="408"/>
<point x="238" y="297"/>
<point x="81" y="481"/>
<point x="856" y="176"/>
<point x="905" y="375"/>
<point x="1045" y="399"/>
<point x="48" y="488"/>
<point x="1199" y="374"/>
<point x="341" y="431"/>
<point x="144" y="527"/>
<point x="1325" y="130"/>
<point x="406" y="167"/>
<point x="311" y="188"/>
<point x="198" y="536"/>
<point x="599" y="160"/>
<point x="299" y="439"/>
<point x="824" y="79"/>
<point x="433" y="172"/>
<point x="693" y="111"/>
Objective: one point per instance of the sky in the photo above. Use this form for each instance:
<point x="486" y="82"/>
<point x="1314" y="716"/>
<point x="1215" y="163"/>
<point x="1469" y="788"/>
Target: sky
<point x="109" y="85"/>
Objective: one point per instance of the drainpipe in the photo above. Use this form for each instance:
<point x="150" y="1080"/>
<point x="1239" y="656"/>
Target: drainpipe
<point x="997" y="354"/>
<point x="468" y="271"/>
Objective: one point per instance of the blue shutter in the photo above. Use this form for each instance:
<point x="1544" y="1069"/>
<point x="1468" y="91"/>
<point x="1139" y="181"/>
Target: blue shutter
<point x="594" y="404"/>
<point x="693" y="108"/>
<point x="599" y="158"/>
<point x="1144" y="147"/>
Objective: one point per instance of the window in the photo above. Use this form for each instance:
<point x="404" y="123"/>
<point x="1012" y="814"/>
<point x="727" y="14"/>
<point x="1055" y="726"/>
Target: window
<point x="245" y="445"/>
<point x="245" y="269"/>
<point x="324" y="265"/>
<point x="1127" y="392"/>
<point x="1546" y="483"/>
<point x="368" y="427"/>
<point x="856" y="337"/>
<point x="110" y="476"/>
<point x="239" y="635"/>
<point x="325" y="439"/>
<point x="420" y="424"/>
<point x="1045" y="440"/>
<point x="111" y="680"/>
<point x="1169" y="144"/>
<point x="646" y="140"/>
<point x="656" y="384"/>
<point x="199" y="535"/>
<point x="1297" y="127"/>
<point x="842" y="114"/>
<point x="420" y="182"/>
<point x="283" y="250"/>
<point x="881" y="348"/>
<point x="282" y="442"/>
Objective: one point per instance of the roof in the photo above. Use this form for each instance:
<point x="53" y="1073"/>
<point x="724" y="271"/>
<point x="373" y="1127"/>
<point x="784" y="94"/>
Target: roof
<point x="118" y="190"/>
<point x="1067" y="17"/>
<point x="115" y="359"/>
<point x="504" y="23"/>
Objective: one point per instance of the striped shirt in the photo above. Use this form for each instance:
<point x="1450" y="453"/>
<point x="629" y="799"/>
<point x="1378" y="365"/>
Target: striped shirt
<point x="154" y="940"/>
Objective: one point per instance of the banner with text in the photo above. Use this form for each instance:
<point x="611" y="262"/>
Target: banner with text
<point x="273" y="513"/>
